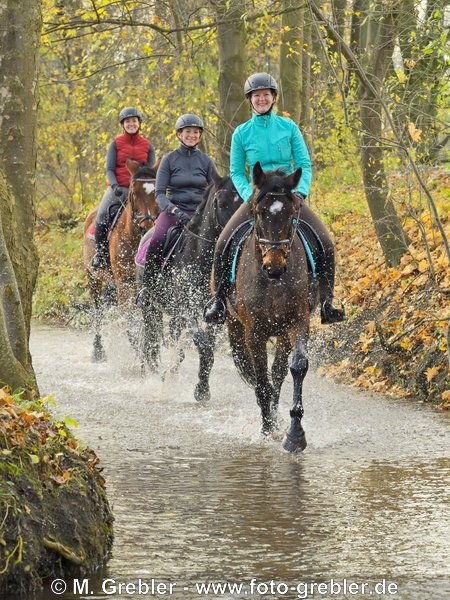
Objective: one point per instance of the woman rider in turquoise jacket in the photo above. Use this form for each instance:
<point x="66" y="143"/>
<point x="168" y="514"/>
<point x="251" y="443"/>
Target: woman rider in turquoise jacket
<point x="276" y="142"/>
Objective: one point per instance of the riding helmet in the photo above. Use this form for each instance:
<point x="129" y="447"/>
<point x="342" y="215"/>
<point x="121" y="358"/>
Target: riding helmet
<point x="128" y="112"/>
<point x="260" y="81"/>
<point x="189" y="120"/>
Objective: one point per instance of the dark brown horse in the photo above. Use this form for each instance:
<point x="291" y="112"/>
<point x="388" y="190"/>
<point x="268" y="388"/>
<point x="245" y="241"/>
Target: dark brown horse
<point x="183" y="290"/>
<point x="137" y="217"/>
<point x="272" y="301"/>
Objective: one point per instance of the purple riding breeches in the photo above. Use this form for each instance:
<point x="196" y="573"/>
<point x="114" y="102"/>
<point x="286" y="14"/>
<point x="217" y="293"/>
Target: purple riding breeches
<point x="162" y="224"/>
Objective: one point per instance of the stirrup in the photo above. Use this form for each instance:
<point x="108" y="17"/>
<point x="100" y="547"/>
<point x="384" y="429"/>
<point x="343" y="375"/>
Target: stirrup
<point x="330" y="314"/>
<point x="215" y="311"/>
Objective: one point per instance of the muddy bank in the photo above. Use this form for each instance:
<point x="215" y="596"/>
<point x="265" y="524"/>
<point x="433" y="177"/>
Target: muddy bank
<point x="55" y="519"/>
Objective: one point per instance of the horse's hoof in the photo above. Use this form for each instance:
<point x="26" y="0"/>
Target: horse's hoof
<point x="295" y="444"/>
<point x="202" y="395"/>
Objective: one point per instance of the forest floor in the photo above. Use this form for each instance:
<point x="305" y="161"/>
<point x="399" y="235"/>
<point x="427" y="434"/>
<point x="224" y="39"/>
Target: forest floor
<point x="396" y="337"/>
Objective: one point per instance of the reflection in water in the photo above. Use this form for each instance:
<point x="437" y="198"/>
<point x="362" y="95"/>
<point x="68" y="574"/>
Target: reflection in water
<point x="198" y="497"/>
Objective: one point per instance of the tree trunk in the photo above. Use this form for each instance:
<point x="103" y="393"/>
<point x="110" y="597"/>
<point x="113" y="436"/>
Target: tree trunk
<point x="19" y="50"/>
<point x="291" y="59"/>
<point x="387" y="224"/>
<point x="306" y="113"/>
<point x="232" y="74"/>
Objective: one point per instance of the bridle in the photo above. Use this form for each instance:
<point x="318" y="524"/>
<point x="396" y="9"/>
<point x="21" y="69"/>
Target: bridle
<point x="276" y="244"/>
<point x="139" y="219"/>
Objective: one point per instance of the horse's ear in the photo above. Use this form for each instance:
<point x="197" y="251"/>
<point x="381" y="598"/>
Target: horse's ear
<point x="294" y="178"/>
<point x="132" y="165"/>
<point x="258" y="175"/>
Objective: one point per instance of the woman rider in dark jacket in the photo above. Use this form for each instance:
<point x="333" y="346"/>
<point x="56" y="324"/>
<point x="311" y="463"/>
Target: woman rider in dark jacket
<point x="276" y="142"/>
<point x="181" y="180"/>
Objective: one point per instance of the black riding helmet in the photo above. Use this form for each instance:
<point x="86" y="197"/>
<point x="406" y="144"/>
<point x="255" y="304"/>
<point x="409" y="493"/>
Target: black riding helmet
<point x="128" y="112"/>
<point x="260" y="81"/>
<point x="189" y="120"/>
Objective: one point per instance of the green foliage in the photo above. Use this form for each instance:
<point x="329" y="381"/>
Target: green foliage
<point x="61" y="280"/>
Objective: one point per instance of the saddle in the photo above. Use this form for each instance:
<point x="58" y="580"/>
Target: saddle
<point x="174" y="243"/>
<point x="309" y="238"/>
<point x="115" y="210"/>
<point x="311" y="243"/>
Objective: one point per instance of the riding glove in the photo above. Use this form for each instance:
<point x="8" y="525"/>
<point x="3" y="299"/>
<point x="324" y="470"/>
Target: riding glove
<point x="121" y="192"/>
<point x="182" y="217"/>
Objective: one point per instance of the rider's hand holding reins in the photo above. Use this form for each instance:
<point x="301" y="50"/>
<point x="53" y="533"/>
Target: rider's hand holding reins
<point x="120" y="192"/>
<point x="182" y="217"/>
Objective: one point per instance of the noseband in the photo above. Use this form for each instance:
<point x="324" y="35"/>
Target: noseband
<point x="137" y="218"/>
<point x="276" y="244"/>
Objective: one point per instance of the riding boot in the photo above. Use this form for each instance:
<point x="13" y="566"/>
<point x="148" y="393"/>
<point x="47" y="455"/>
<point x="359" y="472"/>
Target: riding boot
<point x="101" y="258"/>
<point x="215" y="311"/>
<point x="151" y="271"/>
<point x="328" y="312"/>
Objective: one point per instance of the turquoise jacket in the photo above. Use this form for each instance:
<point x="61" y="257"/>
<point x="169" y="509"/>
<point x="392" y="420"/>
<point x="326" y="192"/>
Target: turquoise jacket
<point x="274" y="141"/>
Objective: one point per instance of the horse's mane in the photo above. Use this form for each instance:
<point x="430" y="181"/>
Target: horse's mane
<point x="196" y="220"/>
<point x="145" y="172"/>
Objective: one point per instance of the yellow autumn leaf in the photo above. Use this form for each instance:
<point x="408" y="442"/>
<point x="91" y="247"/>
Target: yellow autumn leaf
<point x="423" y="266"/>
<point x="446" y="395"/>
<point x="413" y="132"/>
<point x="432" y="372"/>
<point x="401" y="76"/>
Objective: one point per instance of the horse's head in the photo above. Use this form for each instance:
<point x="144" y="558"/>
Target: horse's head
<point x="275" y="210"/>
<point x="220" y="202"/>
<point x="226" y="200"/>
<point x="142" y="198"/>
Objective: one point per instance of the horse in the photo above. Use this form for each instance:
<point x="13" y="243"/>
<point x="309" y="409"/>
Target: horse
<point x="136" y="218"/>
<point x="183" y="289"/>
<point x="273" y="300"/>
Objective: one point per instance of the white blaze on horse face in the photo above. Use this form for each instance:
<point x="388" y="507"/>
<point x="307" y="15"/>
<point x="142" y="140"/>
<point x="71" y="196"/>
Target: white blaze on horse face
<point x="277" y="206"/>
<point x="149" y="188"/>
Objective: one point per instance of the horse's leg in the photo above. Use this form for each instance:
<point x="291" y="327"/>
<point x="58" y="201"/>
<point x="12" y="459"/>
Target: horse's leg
<point x="95" y="286"/>
<point x="204" y="340"/>
<point x="294" y="439"/>
<point x="239" y="351"/>
<point x="151" y="336"/>
<point x="257" y="346"/>
<point x="175" y="328"/>
<point x="280" y="368"/>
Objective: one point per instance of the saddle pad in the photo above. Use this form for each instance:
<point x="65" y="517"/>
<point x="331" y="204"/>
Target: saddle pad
<point x="139" y="259"/>
<point x="114" y="213"/>
<point x="91" y="232"/>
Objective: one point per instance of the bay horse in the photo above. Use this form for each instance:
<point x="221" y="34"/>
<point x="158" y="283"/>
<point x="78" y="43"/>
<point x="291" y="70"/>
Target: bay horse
<point x="272" y="300"/>
<point x="136" y="218"/>
<point x="182" y="290"/>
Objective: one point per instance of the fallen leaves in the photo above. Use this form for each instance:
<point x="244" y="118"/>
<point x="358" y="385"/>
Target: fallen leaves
<point x="30" y="434"/>
<point x="404" y="347"/>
